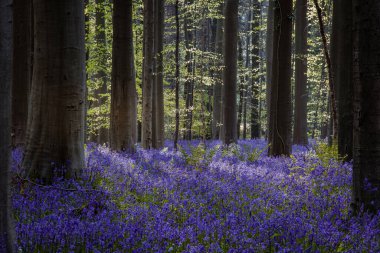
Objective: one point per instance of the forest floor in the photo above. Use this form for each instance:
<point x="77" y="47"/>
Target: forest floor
<point x="203" y="198"/>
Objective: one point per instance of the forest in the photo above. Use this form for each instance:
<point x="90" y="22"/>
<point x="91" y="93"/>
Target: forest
<point x="189" y="126"/>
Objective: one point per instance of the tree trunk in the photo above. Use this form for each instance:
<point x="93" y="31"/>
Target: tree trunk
<point x="255" y="120"/>
<point x="7" y="237"/>
<point x="230" y="72"/>
<point x="123" y="95"/>
<point x="147" y="104"/>
<point x="158" y="108"/>
<point x="102" y="134"/>
<point x="177" y="73"/>
<point x="343" y="78"/>
<point x="366" y="170"/>
<point x="280" y="102"/>
<point x="55" y="135"/>
<point x="241" y="88"/>
<point x="217" y="89"/>
<point x="22" y="68"/>
<point x="300" y="109"/>
<point x="269" y="57"/>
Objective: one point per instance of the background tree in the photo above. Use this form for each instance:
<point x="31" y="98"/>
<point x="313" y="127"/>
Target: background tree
<point x="300" y="109"/>
<point x="56" y="119"/>
<point x="177" y="73"/>
<point x="22" y="68"/>
<point x="230" y="72"/>
<point x="366" y="171"/>
<point x="280" y="102"/>
<point x="7" y="238"/>
<point x="124" y="97"/>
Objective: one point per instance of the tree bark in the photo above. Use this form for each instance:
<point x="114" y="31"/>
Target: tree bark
<point x="22" y="68"/>
<point x="366" y="62"/>
<point x="269" y="59"/>
<point x="158" y="108"/>
<point x="123" y="93"/>
<point x="177" y="73"/>
<point x="255" y="120"/>
<point x="147" y="89"/>
<point x="55" y="135"/>
<point x="7" y="237"/>
<point x="217" y="89"/>
<point x="343" y="78"/>
<point x="300" y="109"/>
<point x="280" y="102"/>
<point x="230" y="73"/>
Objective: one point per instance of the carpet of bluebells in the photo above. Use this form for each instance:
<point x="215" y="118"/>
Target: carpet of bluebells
<point x="202" y="198"/>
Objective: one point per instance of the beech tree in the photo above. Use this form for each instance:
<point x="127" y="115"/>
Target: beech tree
<point x="7" y="238"/>
<point x="55" y="134"/>
<point x="280" y="98"/>
<point x="123" y="134"/>
<point x="22" y="68"/>
<point x="300" y="108"/>
<point x="366" y="62"/>
<point x="147" y="87"/>
<point x="230" y="73"/>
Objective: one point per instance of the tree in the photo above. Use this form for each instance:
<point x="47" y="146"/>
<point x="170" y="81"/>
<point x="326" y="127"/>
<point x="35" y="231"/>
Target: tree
<point x="366" y="62"/>
<point x="269" y="58"/>
<point x="7" y="238"/>
<point x="343" y="77"/>
<point x="123" y="134"/>
<point x="217" y="89"/>
<point x="147" y="89"/>
<point x="158" y="127"/>
<point x="22" y="68"/>
<point x="55" y="134"/>
<point x="230" y="72"/>
<point x="255" y="120"/>
<point x="300" y="109"/>
<point x="177" y="73"/>
<point x="280" y="99"/>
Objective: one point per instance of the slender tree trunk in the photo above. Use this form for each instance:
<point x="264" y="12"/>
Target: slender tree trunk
<point x="366" y="170"/>
<point x="56" y="115"/>
<point x="330" y="71"/>
<point x="269" y="58"/>
<point x="189" y="83"/>
<point x="102" y="134"/>
<point x="22" y="68"/>
<point x="147" y="88"/>
<point x="280" y="102"/>
<point x="123" y="95"/>
<point x="241" y="88"/>
<point x="7" y="237"/>
<point x="343" y="79"/>
<point x="230" y="73"/>
<point x="177" y="73"/>
<point x="87" y="104"/>
<point x="158" y="108"/>
<point x="217" y="89"/>
<point x="255" y="120"/>
<point x="300" y="109"/>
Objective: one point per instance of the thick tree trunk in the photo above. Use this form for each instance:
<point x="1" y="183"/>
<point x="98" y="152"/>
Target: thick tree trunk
<point x="343" y="78"/>
<point x="123" y="95"/>
<point x="280" y="102"/>
<point x="158" y="108"/>
<point x="7" y="237"/>
<point x="230" y="72"/>
<point x="300" y="109"/>
<point x="269" y="57"/>
<point x="366" y="176"/>
<point x="217" y="89"/>
<point x="56" y="115"/>
<point x="147" y="104"/>
<point x="22" y="68"/>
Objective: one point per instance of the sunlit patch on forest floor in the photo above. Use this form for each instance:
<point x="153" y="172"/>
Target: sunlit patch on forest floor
<point x="202" y="198"/>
